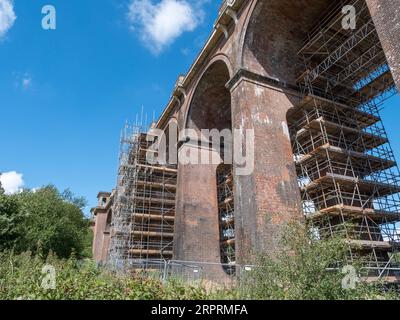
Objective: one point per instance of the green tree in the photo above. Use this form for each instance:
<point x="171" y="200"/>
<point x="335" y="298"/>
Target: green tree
<point x="10" y="221"/>
<point x="2" y="191"/>
<point x="44" y="220"/>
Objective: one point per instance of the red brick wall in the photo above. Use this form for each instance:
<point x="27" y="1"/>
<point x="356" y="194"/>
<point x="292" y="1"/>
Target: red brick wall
<point x="386" y="16"/>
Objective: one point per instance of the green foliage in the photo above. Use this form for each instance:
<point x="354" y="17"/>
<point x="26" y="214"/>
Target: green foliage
<point x="306" y="269"/>
<point x="293" y="277"/>
<point x="10" y="220"/>
<point x="2" y="191"/>
<point x="44" y="219"/>
<point x="298" y="272"/>
<point x="21" y="277"/>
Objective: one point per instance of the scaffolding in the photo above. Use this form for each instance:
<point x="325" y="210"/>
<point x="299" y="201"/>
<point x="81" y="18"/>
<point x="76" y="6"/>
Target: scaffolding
<point x="144" y="205"/>
<point x="226" y="217"/>
<point x="347" y="173"/>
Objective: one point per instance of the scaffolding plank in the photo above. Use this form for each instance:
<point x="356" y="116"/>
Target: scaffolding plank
<point x="350" y="211"/>
<point x="228" y="242"/>
<point x="155" y="185"/>
<point x="377" y="164"/>
<point x="370" y="141"/>
<point x="367" y="244"/>
<point x="152" y="234"/>
<point x="310" y="101"/>
<point x="154" y="199"/>
<point x="347" y="182"/>
<point x="150" y="252"/>
<point x="153" y="216"/>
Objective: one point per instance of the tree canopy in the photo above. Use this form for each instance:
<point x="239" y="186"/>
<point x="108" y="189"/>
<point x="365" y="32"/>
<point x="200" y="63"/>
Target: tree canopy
<point x="44" y="220"/>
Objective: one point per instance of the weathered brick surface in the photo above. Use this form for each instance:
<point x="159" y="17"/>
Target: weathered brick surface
<point x="274" y="34"/>
<point x="386" y="16"/>
<point x="197" y="228"/>
<point x="260" y="55"/>
<point x="263" y="43"/>
<point x="247" y="80"/>
<point x="269" y="198"/>
<point x="197" y="235"/>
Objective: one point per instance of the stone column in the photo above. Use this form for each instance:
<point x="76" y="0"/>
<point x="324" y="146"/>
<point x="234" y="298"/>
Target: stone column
<point x="386" y="16"/>
<point x="268" y="198"/>
<point x="197" y="233"/>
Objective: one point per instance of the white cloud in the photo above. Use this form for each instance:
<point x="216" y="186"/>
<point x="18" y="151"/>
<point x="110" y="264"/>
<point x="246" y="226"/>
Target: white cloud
<point x="160" y="24"/>
<point x="7" y="16"/>
<point x="12" y="182"/>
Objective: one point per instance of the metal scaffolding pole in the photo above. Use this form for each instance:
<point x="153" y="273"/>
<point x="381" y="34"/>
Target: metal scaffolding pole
<point x="144" y="206"/>
<point x="347" y="173"/>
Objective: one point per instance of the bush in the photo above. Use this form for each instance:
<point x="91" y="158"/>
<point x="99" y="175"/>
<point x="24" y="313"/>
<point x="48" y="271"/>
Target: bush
<point x="307" y="269"/>
<point x="298" y="272"/>
<point x="21" y="277"/>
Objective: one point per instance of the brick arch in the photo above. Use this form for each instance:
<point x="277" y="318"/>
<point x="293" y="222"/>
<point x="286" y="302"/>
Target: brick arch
<point x="197" y="223"/>
<point x="210" y="95"/>
<point x="273" y="33"/>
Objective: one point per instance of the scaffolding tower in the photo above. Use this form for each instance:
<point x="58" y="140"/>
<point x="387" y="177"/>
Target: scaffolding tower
<point x="347" y="173"/>
<point x="144" y="205"/>
<point x="226" y="217"/>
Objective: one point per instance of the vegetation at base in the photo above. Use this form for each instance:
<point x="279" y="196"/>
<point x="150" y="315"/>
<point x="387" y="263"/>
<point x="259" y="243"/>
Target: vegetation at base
<point x="299" y="272"/>
<point x="21" y="278"/>
<point x="48" y="228"/>
<point x="309" y="269"/>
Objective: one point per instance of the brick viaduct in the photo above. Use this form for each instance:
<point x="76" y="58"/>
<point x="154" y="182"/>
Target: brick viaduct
<point x="245" y="78"/>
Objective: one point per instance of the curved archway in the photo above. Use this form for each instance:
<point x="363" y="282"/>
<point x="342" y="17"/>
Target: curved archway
<point x="274" y="33"/>
<point x="197" y="205"/>
<point x="210" y="107"/>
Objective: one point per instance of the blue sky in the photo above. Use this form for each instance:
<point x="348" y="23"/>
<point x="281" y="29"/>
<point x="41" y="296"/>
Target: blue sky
<point x="66" y="93"/>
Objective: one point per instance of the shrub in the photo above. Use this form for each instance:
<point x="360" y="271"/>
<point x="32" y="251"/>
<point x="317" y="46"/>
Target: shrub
<point x="21" y="278"/>
<point x="307" y="269"/>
